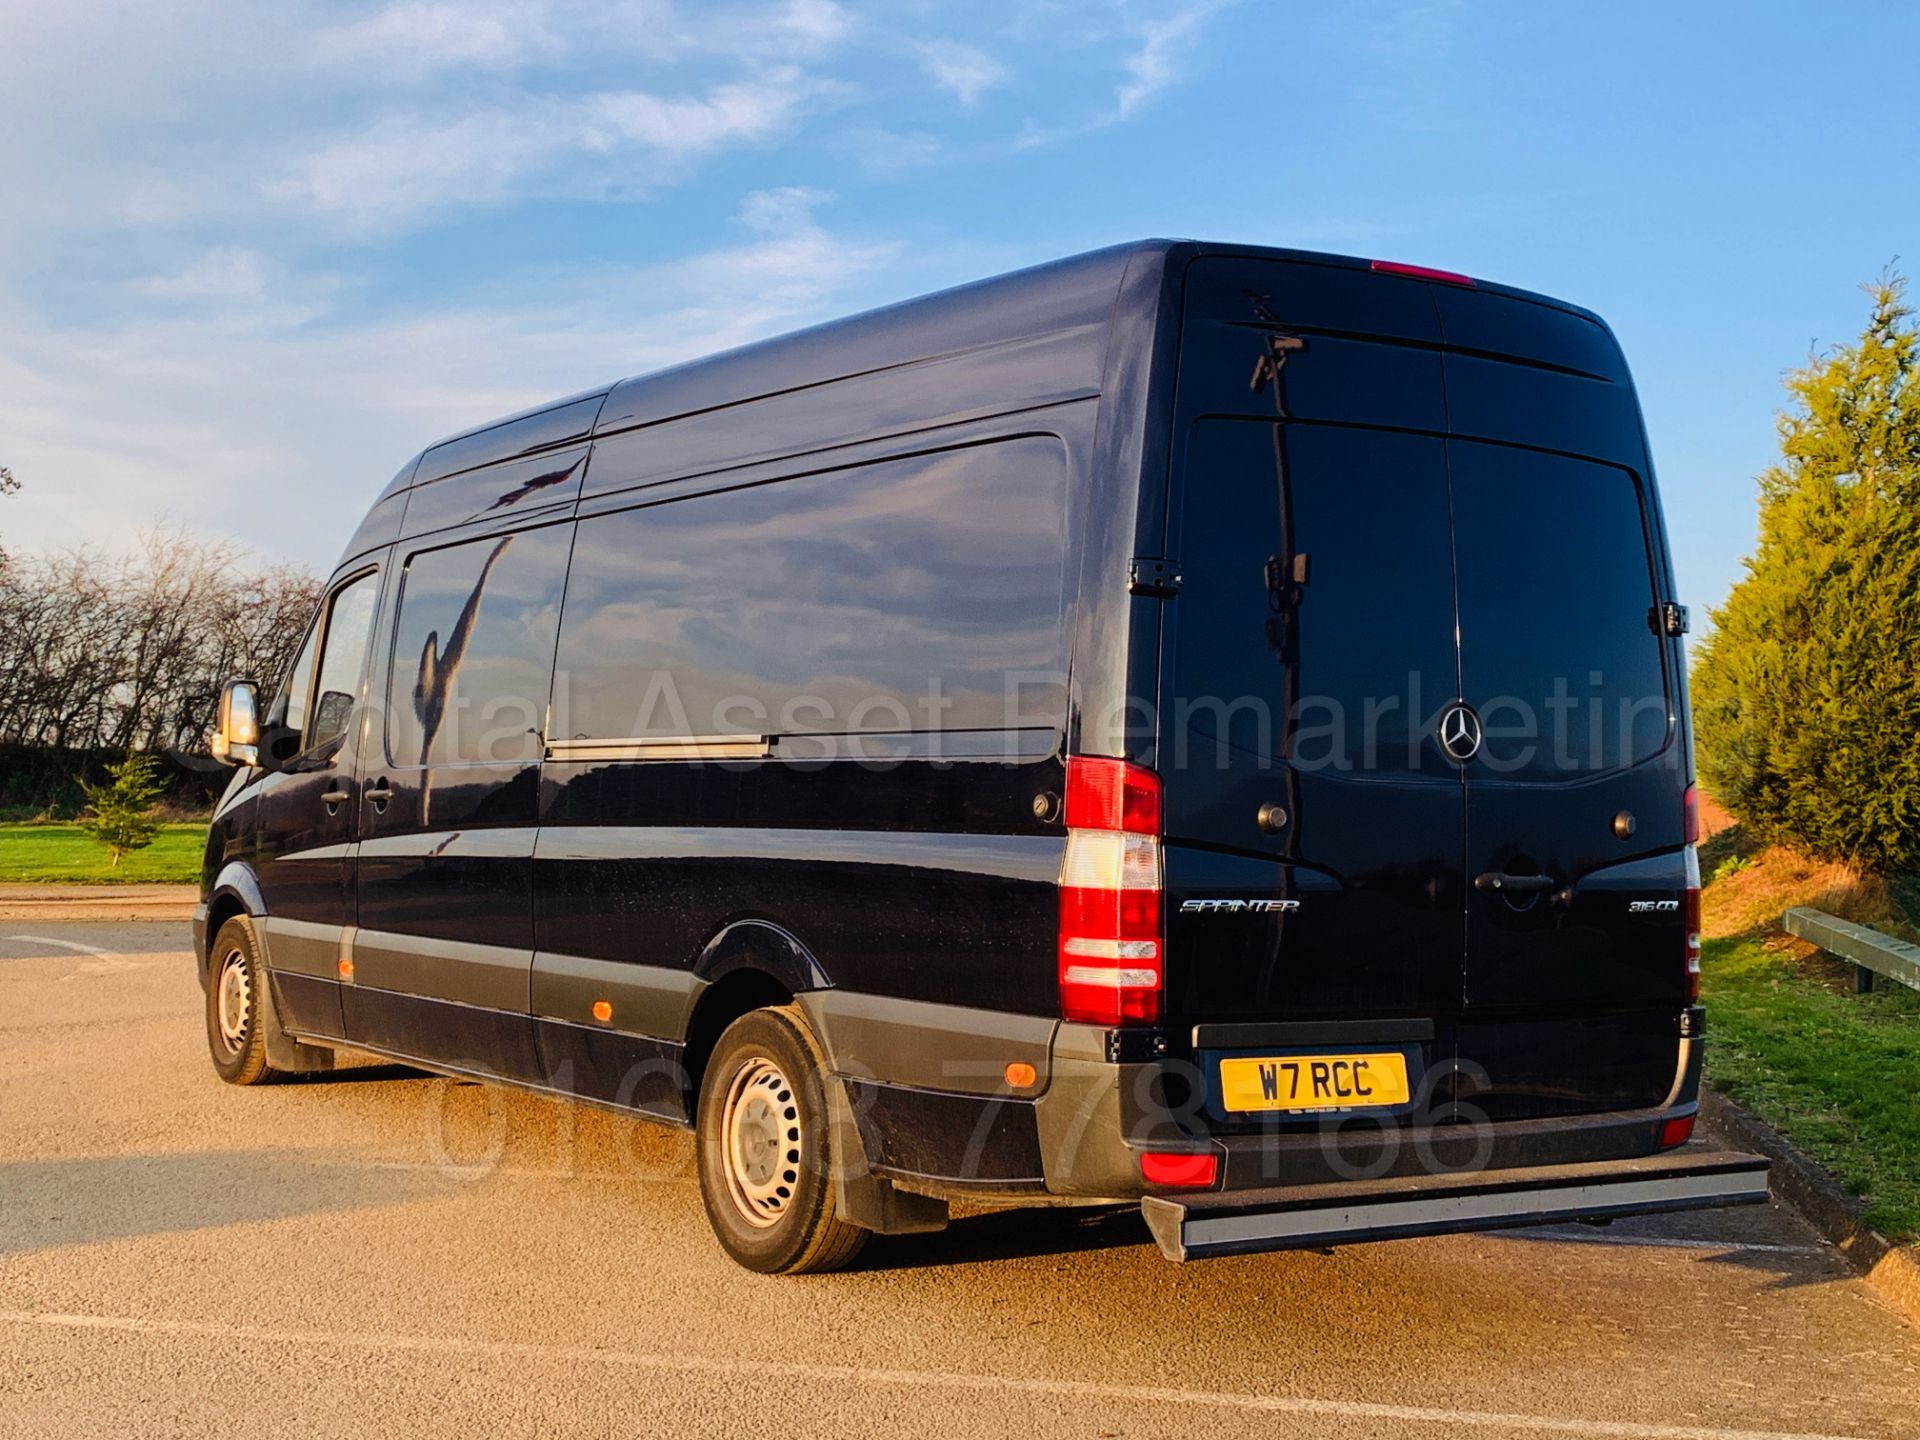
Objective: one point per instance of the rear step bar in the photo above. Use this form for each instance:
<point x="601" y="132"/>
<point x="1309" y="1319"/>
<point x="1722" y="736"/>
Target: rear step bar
<point x="1297" y="1217"/>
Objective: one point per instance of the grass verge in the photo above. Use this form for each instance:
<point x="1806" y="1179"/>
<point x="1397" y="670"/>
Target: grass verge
<point x="67" y="855"/>
<point x="1837" y="1073"/>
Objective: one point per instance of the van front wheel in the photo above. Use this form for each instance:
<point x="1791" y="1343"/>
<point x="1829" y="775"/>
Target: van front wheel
<point x="236" y="1019"/>
<point x="766" y="1161"/>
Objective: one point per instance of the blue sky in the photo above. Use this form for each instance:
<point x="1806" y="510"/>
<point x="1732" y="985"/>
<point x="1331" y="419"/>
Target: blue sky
<point x="255" y="255"/>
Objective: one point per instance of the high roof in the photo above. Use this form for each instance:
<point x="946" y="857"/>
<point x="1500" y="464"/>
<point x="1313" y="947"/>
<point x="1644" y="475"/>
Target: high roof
<point x="1076" y="294"/>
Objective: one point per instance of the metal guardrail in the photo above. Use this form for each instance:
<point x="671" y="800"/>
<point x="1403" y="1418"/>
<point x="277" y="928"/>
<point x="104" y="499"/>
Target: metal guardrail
<point x="1871" y="952"/>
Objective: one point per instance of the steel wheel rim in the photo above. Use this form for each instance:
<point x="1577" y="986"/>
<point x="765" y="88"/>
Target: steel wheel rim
<point x="761" y="1137"/>
<point x="233" y="1005"/>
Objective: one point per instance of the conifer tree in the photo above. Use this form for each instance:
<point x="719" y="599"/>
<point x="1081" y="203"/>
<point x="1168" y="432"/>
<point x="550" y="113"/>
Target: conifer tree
<point x="1807" y="693"/>
<point x="122" y="818"/>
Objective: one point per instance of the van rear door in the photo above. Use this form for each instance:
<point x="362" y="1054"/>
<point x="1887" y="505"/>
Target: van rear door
<point x="1576" y="968"/>
<point x="1314" y="854"/>
<point x="1391" y="498"/>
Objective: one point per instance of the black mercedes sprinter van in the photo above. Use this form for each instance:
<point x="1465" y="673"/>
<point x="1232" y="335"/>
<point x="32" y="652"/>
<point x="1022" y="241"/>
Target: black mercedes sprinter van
<point x="1190" y="725"/>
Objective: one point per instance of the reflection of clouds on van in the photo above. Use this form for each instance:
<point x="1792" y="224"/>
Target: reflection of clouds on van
<point x="866" y="590"/>
<point x="472" y="650"/>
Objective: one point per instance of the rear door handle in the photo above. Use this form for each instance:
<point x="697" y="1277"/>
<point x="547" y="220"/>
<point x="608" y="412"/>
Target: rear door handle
<point x="379" y="795"/>
<point x="1514" y="884"/>
<point x="335" y="797"/>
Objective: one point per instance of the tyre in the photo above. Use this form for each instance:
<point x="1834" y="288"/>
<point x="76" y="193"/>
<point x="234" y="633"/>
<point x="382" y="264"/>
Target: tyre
<point x="237" y="1010"/>
<point x="765" y="1148"/>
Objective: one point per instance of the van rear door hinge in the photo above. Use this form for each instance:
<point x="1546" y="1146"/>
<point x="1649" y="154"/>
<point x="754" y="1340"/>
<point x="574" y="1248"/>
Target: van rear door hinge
<point x="1669" y="619"/>
<point x="1153" y="575"/>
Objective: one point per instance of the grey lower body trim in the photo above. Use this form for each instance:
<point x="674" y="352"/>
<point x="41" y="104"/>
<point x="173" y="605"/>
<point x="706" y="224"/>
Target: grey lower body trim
<point x="646" y="999"/>
<point x="1094" y="1113"/>
<point x="954" y="1048"/>
<point x="304" y="947"/>
<point x="1186" y="1230"/>
<point x="488" y="1077"/>
<point x="491" y="977"/>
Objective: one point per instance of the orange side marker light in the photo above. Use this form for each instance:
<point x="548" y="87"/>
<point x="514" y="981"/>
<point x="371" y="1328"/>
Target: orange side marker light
<point x="346" y="969"/>
<point x="1020" y="1075"/>
<point x="602" y="1011"/>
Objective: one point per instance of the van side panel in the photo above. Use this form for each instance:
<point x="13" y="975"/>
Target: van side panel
<point x="887" y="832"/>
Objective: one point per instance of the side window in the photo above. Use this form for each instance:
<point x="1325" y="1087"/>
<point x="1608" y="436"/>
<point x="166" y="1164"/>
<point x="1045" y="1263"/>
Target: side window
<point x="342" y="659"/>
<point x="298" y="689"/>
<point x="909" y="595"/>
<point x="473" y="649"/>
<point x="343" y="630"/>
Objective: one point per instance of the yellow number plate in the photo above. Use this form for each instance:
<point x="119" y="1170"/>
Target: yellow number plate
<point x="1314" y="1082"/>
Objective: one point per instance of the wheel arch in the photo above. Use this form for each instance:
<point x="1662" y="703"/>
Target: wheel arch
<point x="748" y="965"/>
<point x="236" y="891"/>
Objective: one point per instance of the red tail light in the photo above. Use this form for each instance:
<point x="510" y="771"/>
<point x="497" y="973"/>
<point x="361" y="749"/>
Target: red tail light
<point x="1690" y="815"/>
<point x="1676" y="1132"/>
<point x="1165" y="1168"/>
<point x="1112" y="795"/>
<point x="1422" y="272"/>
<point x="1110" y="895"/>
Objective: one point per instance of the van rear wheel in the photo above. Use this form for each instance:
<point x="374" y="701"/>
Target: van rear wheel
<point x="765" y="1148"/>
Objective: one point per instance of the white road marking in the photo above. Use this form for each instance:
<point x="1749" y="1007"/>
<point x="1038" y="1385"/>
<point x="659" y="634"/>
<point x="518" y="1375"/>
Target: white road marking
<point x="516" y="1172"/>
<point x="1664" y="1242"/>
<point x="107" y="963"/>
<point x="955" y="1380"/>
<point x="63" y="944"/>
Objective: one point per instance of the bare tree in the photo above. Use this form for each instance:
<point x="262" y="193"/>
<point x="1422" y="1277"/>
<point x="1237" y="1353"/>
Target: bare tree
<point x="128" y="652"/>
<point x="8" y="485"/>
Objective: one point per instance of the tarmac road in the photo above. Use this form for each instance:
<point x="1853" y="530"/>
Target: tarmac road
<point x="388" y="1253"/>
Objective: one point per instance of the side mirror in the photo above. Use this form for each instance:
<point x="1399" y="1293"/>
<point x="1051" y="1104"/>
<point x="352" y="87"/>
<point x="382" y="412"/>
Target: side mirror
<point x="236" y="735"/>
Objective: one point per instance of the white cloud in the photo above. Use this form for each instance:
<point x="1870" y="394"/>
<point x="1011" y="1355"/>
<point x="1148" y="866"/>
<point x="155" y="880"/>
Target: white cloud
<point x="405" y="167"/>
<point x="745" y="111"/>
<point x="237" y="287"/>
<point x="1155" y="65"/>
<point x="427" y="37"/>
<point x="966" y="70"/>
<point x="889" y="153"/>
<point x="276" y="431"/>
<point x="195" y="111"/>
<point x="420" y="37"/>
<point x="228" y="273"/>
<point x="1155" y="59"/>
<point x="816" y="22"/>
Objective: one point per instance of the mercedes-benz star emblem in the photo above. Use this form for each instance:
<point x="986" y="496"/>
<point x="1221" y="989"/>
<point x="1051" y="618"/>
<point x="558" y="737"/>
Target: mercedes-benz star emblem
<point x="1460" y="732"/>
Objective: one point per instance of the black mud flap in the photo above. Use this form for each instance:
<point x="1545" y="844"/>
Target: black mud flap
<point x="1297" y="1217"/>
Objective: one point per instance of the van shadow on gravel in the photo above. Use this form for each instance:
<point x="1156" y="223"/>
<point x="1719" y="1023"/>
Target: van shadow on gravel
<point x="1009" y="1235"/>
<point x="89" y="1200"/>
